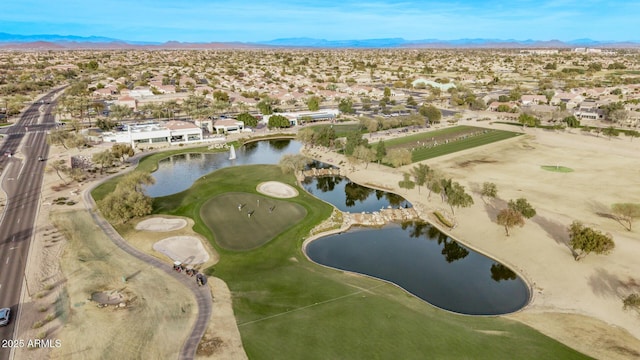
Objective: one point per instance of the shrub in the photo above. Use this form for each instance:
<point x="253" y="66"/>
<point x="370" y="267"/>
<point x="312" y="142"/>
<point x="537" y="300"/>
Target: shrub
<point x="632" y="301"/>
<point x="443" y="219"/>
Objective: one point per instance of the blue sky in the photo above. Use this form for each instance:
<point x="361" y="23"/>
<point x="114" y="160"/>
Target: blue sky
<point x="226" y="20"/>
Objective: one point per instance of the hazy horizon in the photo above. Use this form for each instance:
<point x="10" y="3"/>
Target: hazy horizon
<point x="253" y="21"/>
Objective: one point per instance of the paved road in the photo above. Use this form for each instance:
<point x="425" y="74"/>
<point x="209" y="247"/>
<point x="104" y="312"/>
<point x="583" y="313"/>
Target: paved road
<point x="202" y="294"/>
<point x="22" y="175"/>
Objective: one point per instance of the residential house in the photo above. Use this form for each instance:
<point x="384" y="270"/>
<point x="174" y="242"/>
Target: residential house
<point x="588" y="110"/>
<point x="526" y="100"/>
<point x="127" y="101"/>
<point x="571" y="100"/>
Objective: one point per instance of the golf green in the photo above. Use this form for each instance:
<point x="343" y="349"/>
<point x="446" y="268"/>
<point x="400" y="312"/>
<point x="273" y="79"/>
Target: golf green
<point x="243" y="221"/>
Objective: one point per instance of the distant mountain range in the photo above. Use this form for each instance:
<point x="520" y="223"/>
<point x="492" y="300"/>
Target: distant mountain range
<point x="12" y="41"/>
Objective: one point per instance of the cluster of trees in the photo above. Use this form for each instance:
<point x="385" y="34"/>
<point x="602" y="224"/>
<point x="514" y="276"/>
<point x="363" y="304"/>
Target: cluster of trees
<point x="515" y="214"/>
<point x="585" y="240"/>
<point x="431" y="113"/>
<point x="14" y="104"/>
<point x="528" y="120"/>
<point x="358" y="149"/>
<point x="106" y="158"/>
<point x="248" y="119"/>
<point x="450" y="191"/>
<point x="313" y="103"/>
<point x="128" y="199"/>
<point x="571" y="121"/>
<point x="323" y="136"/>
<point x="293" y="163"/>
<point x="67" y="139"/>
<point x="346" y="106"/>
<point x="379" y="123"/>
<point x="278" y="121"/>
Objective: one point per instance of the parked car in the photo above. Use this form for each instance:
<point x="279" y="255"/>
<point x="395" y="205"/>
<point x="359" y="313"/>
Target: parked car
<point x="4" y="316"/>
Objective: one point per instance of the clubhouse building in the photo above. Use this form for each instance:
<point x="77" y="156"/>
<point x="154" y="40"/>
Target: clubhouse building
<point x="171" y="132"/>
<point x="299" y="117"/>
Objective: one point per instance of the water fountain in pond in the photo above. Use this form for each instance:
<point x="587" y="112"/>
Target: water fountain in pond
<point x="232" y="153"/>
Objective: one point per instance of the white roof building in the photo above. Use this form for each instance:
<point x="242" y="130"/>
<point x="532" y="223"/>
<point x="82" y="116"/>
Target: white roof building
<point x="443" y="87"/>
<point x="296" y="117"/>
<point x="172" y="132"/>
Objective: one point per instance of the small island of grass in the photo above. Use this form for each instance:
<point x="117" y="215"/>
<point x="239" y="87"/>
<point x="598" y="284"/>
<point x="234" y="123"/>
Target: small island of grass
<point x="557" y="168"/>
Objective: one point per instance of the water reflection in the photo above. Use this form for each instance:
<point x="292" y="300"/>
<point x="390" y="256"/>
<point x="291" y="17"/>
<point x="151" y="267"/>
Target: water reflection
<point x="178" y="172"/>
<point x="451" y="250"/>
<point x="500" y="272"/>
<point x="428" y="264"/>
<point x="349" y="196"/>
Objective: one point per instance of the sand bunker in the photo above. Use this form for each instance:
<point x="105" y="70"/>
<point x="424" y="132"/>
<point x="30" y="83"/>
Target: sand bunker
<point x="186" y="249"/>
<point x="161" y="224"/>
<point x="277" y="189"/>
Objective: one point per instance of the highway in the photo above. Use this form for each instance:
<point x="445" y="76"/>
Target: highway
<point x="22" y="175"/>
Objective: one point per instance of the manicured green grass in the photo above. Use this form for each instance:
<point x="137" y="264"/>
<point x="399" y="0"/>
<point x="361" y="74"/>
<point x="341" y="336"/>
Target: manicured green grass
<point x="449" y="140"/>
<point x="341" y="130"/>
<point x="289" y="308"/>
<point x="556" y="168"/>
<point x="242" y="221"/>
<point x="455" y="146"/>
<point x="426" y="136"/>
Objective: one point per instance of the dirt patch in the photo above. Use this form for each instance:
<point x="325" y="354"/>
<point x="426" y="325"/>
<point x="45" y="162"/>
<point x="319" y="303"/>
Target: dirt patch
<point x="109" y="297"/>
<point x="209" y="345"/>
<point x="468" y="163"/>
<point x="155" y="327"/>
<point x="277" y="189"/>
<point x="585" y="334"/>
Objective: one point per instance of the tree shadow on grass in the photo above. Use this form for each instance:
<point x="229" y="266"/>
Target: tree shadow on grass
<point x="605" y="284"/>
<point x="605" y="212"/>
<point x="493" y="207"/>
<point x="556" y="230"/>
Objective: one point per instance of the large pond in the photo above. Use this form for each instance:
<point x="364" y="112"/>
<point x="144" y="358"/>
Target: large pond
<point x="428" y="264"/>
<point x="415" y="256"/>
<point x="351" y="197"/>
<point x="178" y="172"/>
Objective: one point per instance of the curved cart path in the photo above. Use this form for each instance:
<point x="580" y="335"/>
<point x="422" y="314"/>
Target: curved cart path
<point x="201" y="293"/>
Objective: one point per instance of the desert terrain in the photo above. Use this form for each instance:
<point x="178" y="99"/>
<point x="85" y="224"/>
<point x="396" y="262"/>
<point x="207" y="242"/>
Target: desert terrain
<point x="576" y="302"/>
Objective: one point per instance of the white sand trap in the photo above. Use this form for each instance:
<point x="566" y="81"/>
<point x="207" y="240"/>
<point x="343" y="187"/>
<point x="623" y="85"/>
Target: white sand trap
<point x="161" y="224"/>
<point x="277" y="189"/>
<point x="186" y="249"/>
